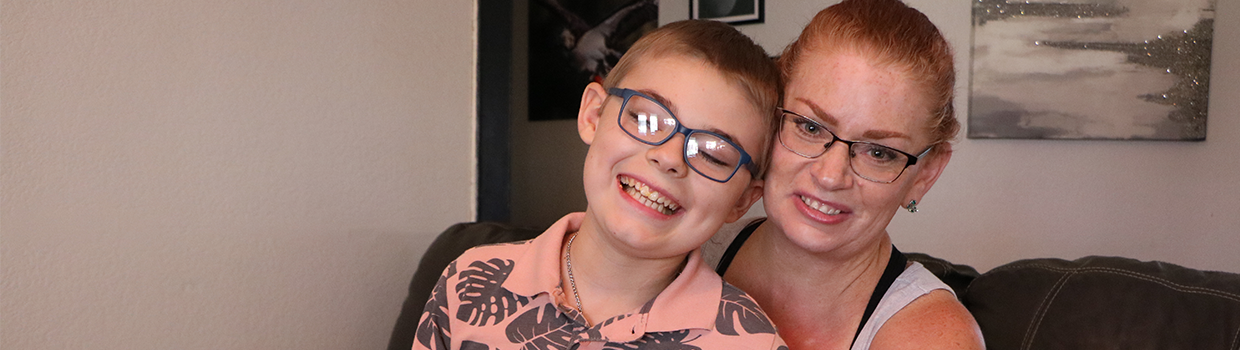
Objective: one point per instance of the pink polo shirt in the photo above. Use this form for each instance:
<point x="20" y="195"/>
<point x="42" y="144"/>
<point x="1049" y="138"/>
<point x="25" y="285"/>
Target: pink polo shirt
<point x="508" y="296"/>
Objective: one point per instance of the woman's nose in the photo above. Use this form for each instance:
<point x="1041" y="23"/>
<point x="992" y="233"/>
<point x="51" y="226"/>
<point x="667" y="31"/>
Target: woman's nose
<point x="669" y="156"/>
<point x="833" y="169"/>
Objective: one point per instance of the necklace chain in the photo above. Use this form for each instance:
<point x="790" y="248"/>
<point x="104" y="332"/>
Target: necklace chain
<point x="568" y="260"/>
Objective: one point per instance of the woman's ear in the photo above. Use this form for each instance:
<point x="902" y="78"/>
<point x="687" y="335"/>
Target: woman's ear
<point x="929" y="172"/>
<point x="592" y="101"/>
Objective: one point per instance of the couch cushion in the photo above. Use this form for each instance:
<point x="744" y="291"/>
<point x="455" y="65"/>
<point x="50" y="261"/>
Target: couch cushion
<point x="1105" y="303"/>
<point x="446" y="247"/>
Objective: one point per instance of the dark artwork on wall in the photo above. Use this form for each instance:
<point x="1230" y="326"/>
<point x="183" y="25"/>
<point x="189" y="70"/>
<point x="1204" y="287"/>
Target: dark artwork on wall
<point x="1092" y="69"/>
<point x="575" y="42"/>
<point x="728" y="11"/>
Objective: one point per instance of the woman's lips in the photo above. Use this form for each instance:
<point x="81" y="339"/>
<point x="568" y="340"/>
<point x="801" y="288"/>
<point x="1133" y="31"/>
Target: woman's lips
<point x="820" y="206"/>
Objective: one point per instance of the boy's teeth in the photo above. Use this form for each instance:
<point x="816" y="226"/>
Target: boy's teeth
<point x="820" y="206"/>
<point x="651" y="198"/>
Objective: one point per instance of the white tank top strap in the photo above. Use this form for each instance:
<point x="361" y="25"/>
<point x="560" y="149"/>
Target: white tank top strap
<point x="915" y="282"/>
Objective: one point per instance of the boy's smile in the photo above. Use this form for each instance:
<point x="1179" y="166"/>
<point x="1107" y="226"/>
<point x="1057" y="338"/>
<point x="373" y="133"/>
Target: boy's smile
<point x="645" y="200"/>
<point x="642" y="193"/>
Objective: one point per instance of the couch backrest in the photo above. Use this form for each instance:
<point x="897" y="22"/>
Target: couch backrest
<point x="1088" y="303"/>
<point x="954" y="275"/>
<point x="445" y="248"/>
<point x="1105" y="303"/>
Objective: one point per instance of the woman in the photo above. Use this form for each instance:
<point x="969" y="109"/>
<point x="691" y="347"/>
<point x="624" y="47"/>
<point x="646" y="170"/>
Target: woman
<point x="867" y="117"/>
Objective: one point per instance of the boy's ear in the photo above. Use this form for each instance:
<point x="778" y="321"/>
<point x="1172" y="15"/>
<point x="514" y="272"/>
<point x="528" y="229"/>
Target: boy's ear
<point x="748" y="198"/>
<point x="592" y="101"/>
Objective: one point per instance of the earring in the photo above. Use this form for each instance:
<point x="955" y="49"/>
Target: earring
<point x="912" y="206"/>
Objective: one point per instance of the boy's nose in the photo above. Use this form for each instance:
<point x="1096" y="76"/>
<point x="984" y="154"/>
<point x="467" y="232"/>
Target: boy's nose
<point x="669" y="157"/>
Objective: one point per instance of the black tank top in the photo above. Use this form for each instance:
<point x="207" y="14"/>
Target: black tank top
<point x="895" y="266"/>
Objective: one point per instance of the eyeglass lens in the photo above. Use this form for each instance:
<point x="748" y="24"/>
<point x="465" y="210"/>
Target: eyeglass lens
<point x="870" y="161"/>
<point x="709" y="155"/>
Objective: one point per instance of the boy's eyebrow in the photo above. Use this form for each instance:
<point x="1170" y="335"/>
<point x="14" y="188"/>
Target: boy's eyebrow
<point x="663" y="100"/>
<point x="869" y="134"/>
<point x="672" y="108"/>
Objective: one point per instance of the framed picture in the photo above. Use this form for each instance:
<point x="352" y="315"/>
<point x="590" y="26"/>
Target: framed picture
<point x="575" y="42"/>
<point x="728" y="11"/>
<point x="1091" y="69"/>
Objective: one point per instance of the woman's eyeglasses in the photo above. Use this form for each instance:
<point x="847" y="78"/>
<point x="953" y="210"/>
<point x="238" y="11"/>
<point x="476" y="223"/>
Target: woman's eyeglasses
<point x="870" y="161"/>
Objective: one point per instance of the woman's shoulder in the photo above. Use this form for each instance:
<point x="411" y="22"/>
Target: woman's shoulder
<point x="935" y="320"/>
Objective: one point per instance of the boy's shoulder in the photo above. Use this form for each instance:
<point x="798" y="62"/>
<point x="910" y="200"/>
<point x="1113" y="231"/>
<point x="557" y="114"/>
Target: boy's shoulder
<point x="740" y="314"/>
<point x="507" y="251"/>
<point x="741" y="324"/>
<point x="490" y="256"/>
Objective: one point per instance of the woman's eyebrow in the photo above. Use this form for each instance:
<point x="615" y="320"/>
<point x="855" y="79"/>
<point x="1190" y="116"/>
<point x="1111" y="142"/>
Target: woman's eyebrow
<point x="884" y="134"/>
<point x="822" y="115"/>
<point x="829" y="119"/>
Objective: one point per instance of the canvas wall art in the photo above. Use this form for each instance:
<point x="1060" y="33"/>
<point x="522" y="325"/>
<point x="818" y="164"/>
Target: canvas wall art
<point x="728" y="11"/>
<point x="575" y="42"/>
<point x="1091" y="69"/>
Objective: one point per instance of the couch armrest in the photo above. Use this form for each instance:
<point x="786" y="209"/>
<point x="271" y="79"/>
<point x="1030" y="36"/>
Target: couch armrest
<point x="447" y="247"/>
<point x="1105" y="303"/>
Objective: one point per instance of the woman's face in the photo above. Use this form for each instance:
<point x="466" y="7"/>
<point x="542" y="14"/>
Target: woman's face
<point x="820" y="204"/>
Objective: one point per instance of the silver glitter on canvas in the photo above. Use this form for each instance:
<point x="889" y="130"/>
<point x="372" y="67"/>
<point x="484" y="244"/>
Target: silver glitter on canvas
<point x="1182" y="57"/>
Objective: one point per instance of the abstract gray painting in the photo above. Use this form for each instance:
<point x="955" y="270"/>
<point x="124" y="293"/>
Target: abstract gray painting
<point x="1091" y="69"/>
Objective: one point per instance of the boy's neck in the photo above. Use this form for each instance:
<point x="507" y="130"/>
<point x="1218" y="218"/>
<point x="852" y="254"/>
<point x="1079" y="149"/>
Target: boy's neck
<point x="610" y="282"/>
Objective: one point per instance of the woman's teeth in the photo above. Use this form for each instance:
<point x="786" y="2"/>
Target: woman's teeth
<point x="650" y="198"/>
<point x="820" y="206"/>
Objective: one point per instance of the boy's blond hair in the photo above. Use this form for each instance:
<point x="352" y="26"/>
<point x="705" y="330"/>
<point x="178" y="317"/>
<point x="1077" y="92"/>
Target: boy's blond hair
<point x="737" y="57"/>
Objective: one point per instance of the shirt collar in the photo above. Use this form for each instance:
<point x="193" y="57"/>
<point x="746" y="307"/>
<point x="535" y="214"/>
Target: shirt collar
<point x="690" y="301"/>
<point x="538" y="268"/>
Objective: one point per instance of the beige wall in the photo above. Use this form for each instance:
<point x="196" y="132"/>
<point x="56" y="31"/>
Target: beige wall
<point x="226" y="174"/>
<point x="1002" y="200"/>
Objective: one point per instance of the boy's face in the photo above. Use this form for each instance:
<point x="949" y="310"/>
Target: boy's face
<point x="645" y="200"/>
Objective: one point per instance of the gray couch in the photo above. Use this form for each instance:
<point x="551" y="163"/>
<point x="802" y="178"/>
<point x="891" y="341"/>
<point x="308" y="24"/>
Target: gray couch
<point x="1090" y="303"/>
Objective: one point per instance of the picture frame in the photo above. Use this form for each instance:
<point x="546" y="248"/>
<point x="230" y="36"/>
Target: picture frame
<point x="1092" y="70"/>
<point x="558" y="68"/>
<point x="728" y="11"/>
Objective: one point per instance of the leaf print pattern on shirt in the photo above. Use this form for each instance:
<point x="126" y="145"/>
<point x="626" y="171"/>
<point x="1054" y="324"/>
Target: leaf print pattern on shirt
<point x="469" y="345"/>
<point x="542" y="328"/>
<point x="434" y="332"/>
<point x="735" y="306"/>
<point x="482" y="298"/>
<point x="660" y="340"/>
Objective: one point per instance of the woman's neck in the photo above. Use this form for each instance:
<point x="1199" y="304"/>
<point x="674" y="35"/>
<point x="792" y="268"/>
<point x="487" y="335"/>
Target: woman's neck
<point x="610" y="283"/>
<point x="816" y="299"/>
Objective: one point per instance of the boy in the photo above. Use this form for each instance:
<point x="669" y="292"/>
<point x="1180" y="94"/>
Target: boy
<point x="667" y="166"/>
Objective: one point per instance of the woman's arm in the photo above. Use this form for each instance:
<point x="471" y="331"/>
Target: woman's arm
<point x="933" y="321"/>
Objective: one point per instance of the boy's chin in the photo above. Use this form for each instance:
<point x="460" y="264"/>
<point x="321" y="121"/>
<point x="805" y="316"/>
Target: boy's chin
<point x="655" y="245"/>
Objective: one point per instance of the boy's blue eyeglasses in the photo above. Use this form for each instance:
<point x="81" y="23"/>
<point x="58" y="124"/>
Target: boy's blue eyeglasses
<point x="709" y="154"/>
